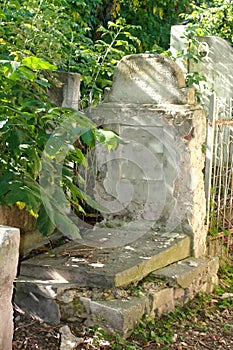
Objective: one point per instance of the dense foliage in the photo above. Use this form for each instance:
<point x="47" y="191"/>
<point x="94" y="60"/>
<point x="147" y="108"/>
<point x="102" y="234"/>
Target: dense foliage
<point x="62" y="32"/>
<point x="213" y="18"/>
<point x="155" y="19"/>
<point x="38" y="37"/>
<point x="38" y="141"/>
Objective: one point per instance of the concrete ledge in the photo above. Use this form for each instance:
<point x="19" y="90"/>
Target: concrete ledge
<point x="118" y="309"/>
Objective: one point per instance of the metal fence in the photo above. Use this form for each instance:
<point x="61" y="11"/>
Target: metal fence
<point x="219" y="176"/>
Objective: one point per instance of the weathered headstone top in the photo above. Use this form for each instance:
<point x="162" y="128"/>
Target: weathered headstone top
<point x="148" y="79"/>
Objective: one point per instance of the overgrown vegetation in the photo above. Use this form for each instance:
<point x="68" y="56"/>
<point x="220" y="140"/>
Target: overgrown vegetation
<point x="38" y="37"/>
<point x="68" y="35"/>
<point x="212" y="18"/>
<point x="38" y="138"/>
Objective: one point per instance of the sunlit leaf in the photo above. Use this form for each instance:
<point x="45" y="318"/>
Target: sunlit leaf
<point x="36" y="63"/>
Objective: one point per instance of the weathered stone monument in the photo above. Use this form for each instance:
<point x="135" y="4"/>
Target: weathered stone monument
<point x="9" y="253"/>
<point x="152" y="190"/>
<point x="155" y="180"/>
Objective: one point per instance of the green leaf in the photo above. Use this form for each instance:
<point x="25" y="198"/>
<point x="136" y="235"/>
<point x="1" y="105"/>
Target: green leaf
<point x="43" y="82"/>
<point x="27" y="73"/>
<point x="108" y="138"/>
<point x="2" y="15"/>
<point x="13" y="65"/>
<point x="88" y="138"/>
<point x="54" y="217"/>
<point x="20" y="194"/>
<point x="93" y="203"/>
<point x="44" y="224"/>
<point x="36" y="63"/>
<point x="67" y="226"/>
<point x="4" y="188"/>
<point x="34" y="163"/>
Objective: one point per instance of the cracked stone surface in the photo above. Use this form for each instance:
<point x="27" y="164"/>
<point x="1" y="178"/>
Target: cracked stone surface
<point x="108" y="267"/>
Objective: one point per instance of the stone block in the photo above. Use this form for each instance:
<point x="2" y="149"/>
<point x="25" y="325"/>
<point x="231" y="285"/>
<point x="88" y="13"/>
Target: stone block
<point x="215" y="66"/>
<point x="184" y="273"/>
<point x="68" y="93"/>
<point x="179" y="295"/>
<point x="191" y="274"/>
<point x="163" y="301"/>
<point x="9" y="253"/>
<point x="117" y="316"/>
<point x="38" y="299"/>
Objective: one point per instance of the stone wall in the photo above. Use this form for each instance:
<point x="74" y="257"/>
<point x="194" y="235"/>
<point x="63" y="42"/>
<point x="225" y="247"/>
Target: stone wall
<point x="156" y="178"/>
<point x="9" y="252"/>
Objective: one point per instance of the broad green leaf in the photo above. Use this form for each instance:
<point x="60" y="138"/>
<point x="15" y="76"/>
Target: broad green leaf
<point x="6" y="176"/>
<point x="88" y="138"/>
<point x="44" y="224"/>
<point x="66" y="225"/>
<point x="4" y="188"/>
<point x="90" y="201"/>
<point x="20" y="194"/>
<point x="36" y="63"/>
<point x="2" y="15"/>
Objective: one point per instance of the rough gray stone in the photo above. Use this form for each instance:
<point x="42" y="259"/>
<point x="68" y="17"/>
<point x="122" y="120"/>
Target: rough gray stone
<point x="68" y="93"/>
<point x="108" y="267"/>
<point x="148" y="78"/>
<point x="37" y="298"/>
<point x="9" y="253"/>
<point x="68" y="340"/>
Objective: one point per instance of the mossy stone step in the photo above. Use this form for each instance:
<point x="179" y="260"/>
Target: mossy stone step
<point x="108" y="267"/>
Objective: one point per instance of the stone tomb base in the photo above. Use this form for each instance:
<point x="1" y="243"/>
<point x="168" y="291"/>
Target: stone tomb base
<point x="113" y="287"/>
<point x="117" y="309"/>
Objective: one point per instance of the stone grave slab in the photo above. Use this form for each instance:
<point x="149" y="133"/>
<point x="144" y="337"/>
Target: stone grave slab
<point x="117" y="309"/>
<point x="104" y="267"/>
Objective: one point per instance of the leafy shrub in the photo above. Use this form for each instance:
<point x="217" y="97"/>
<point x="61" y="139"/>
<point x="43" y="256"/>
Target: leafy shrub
<point x="37" y="146"/>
